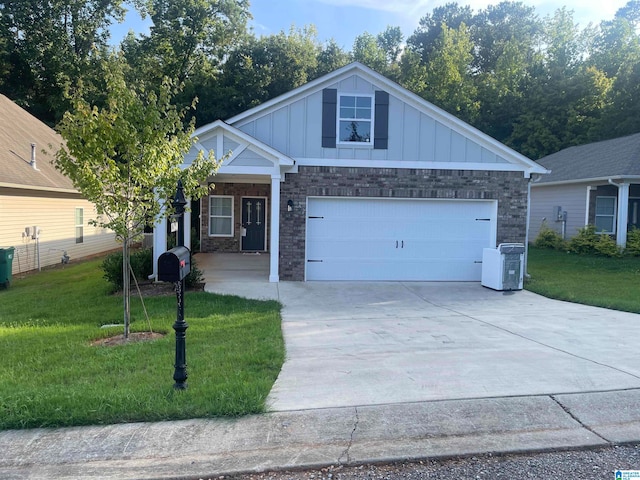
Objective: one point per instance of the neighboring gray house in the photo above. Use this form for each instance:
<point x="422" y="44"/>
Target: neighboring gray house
<point x="594" y="184"/>
<point x="352" y="177"/>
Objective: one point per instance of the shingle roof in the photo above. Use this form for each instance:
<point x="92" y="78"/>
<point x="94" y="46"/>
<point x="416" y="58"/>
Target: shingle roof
<point x="18" y="130"/>
<point x="618" y="157"/>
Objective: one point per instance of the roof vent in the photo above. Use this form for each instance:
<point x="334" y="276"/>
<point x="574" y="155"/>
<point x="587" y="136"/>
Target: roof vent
<point x="33" y="156"/>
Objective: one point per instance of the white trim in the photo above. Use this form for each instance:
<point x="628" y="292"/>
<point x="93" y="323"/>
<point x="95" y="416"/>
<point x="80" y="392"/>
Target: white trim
<point x="221" y="128"/>
<point x="219" y="235"/>
<point x="613" y="216"/>
<point x="35" y="187"/>
<point x="274" y="275"/>
<point x="590" y="189"/>
<point x="404" y="95"/>
<point x="76" y="225"/>
<point x="266" y="215"/>
<point x="350" y="162"/>
<point x="371" y="120"/>
<point x="622" y="214"/>
<point x="603" y="180"/>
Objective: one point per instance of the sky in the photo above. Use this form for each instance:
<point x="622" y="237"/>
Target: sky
<point x="344" y="20"/>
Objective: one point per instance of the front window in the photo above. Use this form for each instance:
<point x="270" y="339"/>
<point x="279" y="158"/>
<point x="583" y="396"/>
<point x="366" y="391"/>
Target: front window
<point x="220" y="216"/>
<point x="79" y="225"/>
<point x="355" y="119"/>
<point x="605" y="214"/>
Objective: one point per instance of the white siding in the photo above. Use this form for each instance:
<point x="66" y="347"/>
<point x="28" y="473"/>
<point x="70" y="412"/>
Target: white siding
<point x="55" y="215"/>
<point x="545" y="199"/>
<point x="296" y="130"/>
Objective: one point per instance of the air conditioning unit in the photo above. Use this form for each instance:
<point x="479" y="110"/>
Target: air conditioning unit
<point x="503" y="267"/>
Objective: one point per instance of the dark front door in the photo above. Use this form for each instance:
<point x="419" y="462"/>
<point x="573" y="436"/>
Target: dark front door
<point x="254" y="215"/>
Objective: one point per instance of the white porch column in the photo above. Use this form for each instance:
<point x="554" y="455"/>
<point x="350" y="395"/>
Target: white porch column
<point x="623" y="214"/>
<point x="274" y="244"/>
<point x="159" y="242"/>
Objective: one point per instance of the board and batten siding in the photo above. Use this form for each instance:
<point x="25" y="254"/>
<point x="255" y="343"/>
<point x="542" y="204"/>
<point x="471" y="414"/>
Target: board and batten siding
<point x="54" y="214"/>
<point x="296" y="130"/>
<point x="544" y="200"/>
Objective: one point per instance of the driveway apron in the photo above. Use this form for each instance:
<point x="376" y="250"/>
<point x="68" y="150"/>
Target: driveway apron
<point x="353" y="344"/>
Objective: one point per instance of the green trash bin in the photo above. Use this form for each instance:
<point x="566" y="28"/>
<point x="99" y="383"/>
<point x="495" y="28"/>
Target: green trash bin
<point x="6" y="263"/>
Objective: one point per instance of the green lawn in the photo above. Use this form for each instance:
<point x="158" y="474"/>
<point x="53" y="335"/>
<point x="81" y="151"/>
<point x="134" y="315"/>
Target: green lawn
<point x="51" y="375"/>
<point x="592" y="280"/>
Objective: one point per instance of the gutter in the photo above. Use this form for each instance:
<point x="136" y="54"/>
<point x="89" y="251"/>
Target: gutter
<point x="35" y="187"/>
<point x="526" y="239"/>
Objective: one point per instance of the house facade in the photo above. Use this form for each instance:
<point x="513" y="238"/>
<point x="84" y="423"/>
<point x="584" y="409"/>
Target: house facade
<point x="595" y="184"/>
<point x="42" y="215"/>
<point x="352" y="177"/>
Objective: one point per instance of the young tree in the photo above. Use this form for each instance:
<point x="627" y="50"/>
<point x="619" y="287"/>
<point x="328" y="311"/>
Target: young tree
<point x="126" y="155"/>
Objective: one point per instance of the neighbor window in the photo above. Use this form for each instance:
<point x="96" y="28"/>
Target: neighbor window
<point x="355" y="118"/>
<point x="220" y="216"/>
<point x="605" y="214"/>
<point x="79" y="225"/>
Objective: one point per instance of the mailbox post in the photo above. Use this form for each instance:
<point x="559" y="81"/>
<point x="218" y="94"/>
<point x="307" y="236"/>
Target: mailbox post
<point x="173" y="266"/>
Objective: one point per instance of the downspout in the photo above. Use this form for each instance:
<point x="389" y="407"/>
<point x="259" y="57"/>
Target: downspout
<point x="526" y="239"/>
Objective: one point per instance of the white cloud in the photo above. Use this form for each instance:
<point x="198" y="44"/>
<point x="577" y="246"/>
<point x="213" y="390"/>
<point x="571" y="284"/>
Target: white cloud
<point x="585" y="11"/>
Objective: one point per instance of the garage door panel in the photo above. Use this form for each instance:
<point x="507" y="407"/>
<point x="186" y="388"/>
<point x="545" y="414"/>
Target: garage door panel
<point x="389" y="239"/>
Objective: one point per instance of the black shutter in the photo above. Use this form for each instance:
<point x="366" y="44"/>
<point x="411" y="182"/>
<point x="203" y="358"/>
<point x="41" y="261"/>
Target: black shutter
<point x="329" y="110"/>
<point x="381" y="128"/>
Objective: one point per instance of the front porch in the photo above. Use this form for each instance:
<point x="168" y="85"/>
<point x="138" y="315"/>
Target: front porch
<point x="243" y="274"/>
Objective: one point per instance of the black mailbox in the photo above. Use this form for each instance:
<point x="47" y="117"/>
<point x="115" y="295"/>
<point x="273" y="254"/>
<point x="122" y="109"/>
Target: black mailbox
<point x="174" y="265"/>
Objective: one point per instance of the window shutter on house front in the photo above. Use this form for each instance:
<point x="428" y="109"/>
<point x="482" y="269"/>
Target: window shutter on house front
<point x="329" y="111"/>
<point x="381" y="127"/>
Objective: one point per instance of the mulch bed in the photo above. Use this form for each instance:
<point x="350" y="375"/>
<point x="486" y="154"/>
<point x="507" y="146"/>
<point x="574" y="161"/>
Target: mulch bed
<point x="120" y="340"/>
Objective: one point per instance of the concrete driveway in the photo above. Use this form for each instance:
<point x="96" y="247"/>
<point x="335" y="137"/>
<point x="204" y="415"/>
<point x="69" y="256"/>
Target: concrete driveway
<point x="353" y="344"/>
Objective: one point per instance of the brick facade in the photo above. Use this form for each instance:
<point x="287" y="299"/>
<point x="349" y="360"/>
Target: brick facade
<point x="508" y="188"/>
<point x="237" y="190"/>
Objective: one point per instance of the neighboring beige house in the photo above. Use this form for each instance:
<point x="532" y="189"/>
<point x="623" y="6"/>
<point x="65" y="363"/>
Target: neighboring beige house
<point x="34" y="196"/>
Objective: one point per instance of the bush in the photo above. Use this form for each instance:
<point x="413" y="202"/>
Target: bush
<point x="585" y="242"/>
<point x="141" y="264"/>
<point x="633" y="242"/>
<point x="548" y="238"/>
<point x="195" y="275"/>
<point x="607" y="246"/>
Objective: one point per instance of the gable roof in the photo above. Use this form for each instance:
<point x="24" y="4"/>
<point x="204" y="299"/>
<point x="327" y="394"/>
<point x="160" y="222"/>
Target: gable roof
<point x="18" y="130"/>
<point x="398" y="91"/>
<point x="616" y="158"/>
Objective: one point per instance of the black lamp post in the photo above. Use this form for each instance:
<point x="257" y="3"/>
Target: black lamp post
<point x="180" y="373"/>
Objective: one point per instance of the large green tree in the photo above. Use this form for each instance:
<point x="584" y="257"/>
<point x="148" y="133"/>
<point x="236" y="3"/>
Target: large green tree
<point x="125" y="156"/>
<point x="265" y="67"/>
<point x="188" y="41"/>
<point x="446" y="80"/>
<point x="48" y="46"/>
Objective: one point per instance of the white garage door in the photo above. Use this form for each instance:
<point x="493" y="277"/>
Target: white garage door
<point x="398" y="239"/>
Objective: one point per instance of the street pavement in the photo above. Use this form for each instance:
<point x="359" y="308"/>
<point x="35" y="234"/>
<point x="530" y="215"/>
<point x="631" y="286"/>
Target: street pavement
<point x="380" y="372"/>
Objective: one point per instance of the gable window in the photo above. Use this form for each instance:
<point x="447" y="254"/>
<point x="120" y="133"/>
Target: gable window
<point x="79" y="225"/>
<point x="348" y="119"/>
<point x="220" y="216"/>
<point x="605" y="214"/>
<point x="355" y="119"/>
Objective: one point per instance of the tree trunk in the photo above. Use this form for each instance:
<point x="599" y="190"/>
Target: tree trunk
<point x="126" y="280"/>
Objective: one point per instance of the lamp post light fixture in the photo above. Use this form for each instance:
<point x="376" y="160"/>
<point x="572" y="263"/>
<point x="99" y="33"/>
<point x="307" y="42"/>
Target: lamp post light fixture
<point x="180" y="327"/>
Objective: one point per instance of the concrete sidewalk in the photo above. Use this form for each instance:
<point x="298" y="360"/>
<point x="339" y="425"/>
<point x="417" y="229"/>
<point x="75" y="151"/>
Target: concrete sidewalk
<point x="312" y="438"/>
<point x="381" y="372"/>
